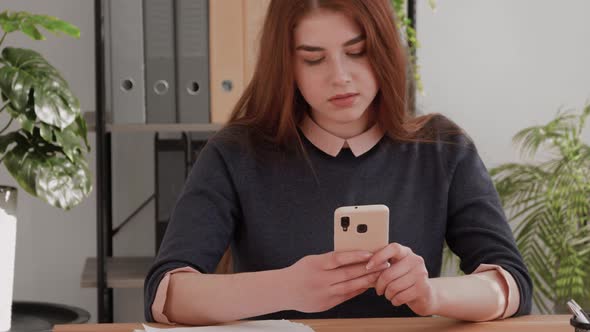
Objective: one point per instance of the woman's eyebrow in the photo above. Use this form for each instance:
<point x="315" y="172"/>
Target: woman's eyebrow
<point x="318" y="49"/>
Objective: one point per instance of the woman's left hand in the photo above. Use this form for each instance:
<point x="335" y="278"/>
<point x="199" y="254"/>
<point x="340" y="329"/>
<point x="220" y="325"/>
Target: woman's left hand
<point x="406" y="280"/>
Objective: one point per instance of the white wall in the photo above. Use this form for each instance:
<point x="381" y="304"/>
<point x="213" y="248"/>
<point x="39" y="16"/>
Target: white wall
<point x="496" y="67"/>
<point x="492" y="66"/>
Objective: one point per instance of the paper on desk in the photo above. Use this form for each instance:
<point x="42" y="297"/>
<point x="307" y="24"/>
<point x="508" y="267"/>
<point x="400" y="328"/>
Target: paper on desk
<point x="249" y="326"/>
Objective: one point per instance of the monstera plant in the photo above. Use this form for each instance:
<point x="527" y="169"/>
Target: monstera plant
<point x="46" y="153"/>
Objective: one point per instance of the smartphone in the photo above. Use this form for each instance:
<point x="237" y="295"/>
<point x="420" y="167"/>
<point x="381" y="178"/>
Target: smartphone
<point x="361" y="227"/>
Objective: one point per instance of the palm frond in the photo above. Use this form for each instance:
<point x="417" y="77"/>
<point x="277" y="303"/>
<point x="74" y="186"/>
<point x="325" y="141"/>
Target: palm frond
<point x="532" y="138"/>
<point x="550" y="204"/>
<point x="516" y="183"/>
<point x="450" y="260"/>
<point x="583" y="117"/>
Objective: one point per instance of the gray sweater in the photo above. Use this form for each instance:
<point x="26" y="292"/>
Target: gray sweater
<point x="273" y="209"/>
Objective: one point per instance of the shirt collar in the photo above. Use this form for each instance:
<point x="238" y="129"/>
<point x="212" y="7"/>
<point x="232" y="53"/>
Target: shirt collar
<point x="332" y="145"/>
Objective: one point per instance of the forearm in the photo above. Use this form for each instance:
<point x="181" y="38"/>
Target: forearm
<point x="473" y="297"/>
<point x="202" y="299"/>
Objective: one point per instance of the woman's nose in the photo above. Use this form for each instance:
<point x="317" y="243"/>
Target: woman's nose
<point x="340" y="72"/>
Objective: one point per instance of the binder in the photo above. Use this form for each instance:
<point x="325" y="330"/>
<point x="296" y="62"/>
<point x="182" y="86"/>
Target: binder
<point x="124" y="25"/>
<point x="255" y="12"/>
<point x="226" y="54"/>
<point x="160" y="61"/>
<point x="192" y="56"/>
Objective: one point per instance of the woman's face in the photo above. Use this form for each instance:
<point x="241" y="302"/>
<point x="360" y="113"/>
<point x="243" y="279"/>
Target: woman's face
<point x="333" y="72"/>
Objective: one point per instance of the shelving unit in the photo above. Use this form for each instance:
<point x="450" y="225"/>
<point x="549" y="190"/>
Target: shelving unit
<point x="123" y="272"/>
<point x="106" y="272"/>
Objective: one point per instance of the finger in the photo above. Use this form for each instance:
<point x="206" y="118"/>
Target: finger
<point x="350" y="286"/>
<point x="336" y="259"/>
<point x="354" y="271"/>
<point x="399" y="269"/>
<point x="392" y="252"/>
<point x="400" y="284"/>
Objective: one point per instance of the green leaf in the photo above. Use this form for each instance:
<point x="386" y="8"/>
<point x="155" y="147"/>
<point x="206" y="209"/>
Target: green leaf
<point x="27" y="123"/>
<point x="56" y="106"/>
<point x="23" y="165"/>
<point x="82" y="130"/>
<point x="27" y="23"/>
<point x="56" y="25"/>
<point x="7" y="22"/>
<point x="27" y="118"/>
<point x="30" y="30"/>
<point x="69" y="140"/>
<point x="44" y="171"/>
<point x="63" y="183"/>
<point x="46" y="132"/>
<point x="27" y="71"/>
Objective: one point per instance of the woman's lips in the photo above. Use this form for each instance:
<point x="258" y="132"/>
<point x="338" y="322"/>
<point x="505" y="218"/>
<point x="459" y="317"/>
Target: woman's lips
<point x="346" y="101"/>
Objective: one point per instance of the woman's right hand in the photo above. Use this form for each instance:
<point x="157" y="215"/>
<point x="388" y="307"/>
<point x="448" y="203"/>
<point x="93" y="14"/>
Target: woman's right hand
<point x="319" y="282"/>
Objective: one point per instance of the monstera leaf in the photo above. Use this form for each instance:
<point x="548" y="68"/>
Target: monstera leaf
<point x="26" y="73"/>
<point x="45" y="170"/>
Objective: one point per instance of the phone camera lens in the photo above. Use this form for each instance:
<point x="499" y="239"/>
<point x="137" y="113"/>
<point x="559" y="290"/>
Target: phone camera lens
<point x="345" y="222"/>
<point x="362" y="228"/>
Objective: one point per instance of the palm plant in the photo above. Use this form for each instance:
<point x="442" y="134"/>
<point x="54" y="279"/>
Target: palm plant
<point x="549" y="203"/>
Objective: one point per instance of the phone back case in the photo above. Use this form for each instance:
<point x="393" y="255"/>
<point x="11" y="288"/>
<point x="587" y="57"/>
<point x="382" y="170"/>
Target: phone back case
<point x="368" y="227"/>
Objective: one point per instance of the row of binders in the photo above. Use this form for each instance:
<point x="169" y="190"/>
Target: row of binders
<point x="178" y="61"/>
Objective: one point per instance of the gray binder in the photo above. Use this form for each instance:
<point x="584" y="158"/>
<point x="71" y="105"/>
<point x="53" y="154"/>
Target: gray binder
<point x="192" y="54"/>
<point x="124" y="31"/>
<point x="159" y="59"/>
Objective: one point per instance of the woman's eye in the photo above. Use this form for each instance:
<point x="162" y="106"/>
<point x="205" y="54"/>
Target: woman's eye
<point x="357" y="54"/>
<point x="313" y="62"/>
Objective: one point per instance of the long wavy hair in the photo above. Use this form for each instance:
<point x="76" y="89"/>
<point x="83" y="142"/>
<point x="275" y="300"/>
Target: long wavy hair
<point x="272" y="105"/>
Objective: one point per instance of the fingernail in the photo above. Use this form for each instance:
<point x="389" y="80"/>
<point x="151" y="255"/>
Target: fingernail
<point x="388" y="265"/>
<point x="370" y="265"/>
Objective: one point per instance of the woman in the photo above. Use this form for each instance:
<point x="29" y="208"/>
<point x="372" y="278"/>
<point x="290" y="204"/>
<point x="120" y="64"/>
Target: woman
<point x="323" y="124"/>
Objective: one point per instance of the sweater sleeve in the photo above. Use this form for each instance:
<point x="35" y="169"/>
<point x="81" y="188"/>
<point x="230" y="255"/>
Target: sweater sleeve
<point x="201" y="225"/>
<point x="477" y="229"/>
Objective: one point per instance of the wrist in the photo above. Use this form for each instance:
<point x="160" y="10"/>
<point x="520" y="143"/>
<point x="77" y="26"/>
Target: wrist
<point x="283" y="288"/>
<point x="437" y="296"/>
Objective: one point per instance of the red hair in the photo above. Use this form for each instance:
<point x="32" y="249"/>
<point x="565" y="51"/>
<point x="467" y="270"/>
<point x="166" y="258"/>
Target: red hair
<point x="272" y="105"/>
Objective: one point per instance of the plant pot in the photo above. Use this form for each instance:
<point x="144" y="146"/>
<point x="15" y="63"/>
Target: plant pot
<point x="7" y="252"/>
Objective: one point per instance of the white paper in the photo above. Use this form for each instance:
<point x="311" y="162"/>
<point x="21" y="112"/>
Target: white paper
<point x="246" y="326"/>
